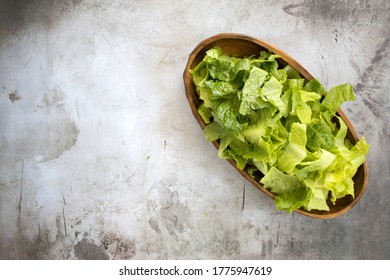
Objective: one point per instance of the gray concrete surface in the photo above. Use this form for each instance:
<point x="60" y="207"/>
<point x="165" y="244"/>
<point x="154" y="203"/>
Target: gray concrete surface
<point x="100" y="156"/>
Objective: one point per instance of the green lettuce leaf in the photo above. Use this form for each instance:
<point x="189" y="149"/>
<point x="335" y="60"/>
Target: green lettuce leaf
<point x="205" y="113"/>
<point x="336" y="96"/>
<point x="214" y="131"/>
<point x="290" y="193"/>
<point x="271" y="93"/>
<point x="250" y="99"/>
<point x="296" y="149"/>
<point x="224" y="112"/>
<point x="319" y="136"/>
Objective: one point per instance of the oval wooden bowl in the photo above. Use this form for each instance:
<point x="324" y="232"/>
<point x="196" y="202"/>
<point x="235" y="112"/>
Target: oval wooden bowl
<point x="241" y="45"/>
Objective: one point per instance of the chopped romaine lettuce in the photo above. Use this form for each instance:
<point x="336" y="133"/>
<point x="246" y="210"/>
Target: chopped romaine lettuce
<point x="270" y="119"/>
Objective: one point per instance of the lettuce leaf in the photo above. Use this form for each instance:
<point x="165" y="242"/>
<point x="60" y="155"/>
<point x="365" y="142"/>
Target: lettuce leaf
<point x="336" y="96"/>
<point x="290" y="193"/>
<point x="250" y="98"/>
<point x="295" y="151"/>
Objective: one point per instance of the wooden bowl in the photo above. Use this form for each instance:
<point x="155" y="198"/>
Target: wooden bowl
<point x="241" y="45"/>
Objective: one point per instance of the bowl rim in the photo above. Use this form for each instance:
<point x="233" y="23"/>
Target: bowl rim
<point x="291" y="61"/>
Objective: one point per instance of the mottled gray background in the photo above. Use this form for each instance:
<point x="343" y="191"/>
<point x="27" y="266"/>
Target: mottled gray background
<point x="101" y="157"/>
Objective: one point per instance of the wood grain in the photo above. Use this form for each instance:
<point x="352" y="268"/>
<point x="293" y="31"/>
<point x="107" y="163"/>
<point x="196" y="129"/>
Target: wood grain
<point x="241" y="45"/>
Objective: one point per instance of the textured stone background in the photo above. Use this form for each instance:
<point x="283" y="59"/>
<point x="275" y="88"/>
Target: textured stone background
<point x="100" y="156"/>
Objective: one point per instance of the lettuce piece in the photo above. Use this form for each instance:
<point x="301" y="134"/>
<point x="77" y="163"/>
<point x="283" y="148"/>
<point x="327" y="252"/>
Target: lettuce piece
<point x="336" y="96"/>
<point x="214" y="131"/>
<point x="205" y="94"/>
<point x="302" y="104"/>
<point x="205" y="113"/>
<point x="220" y="89"/>
<point x="315" y="162"/>
<point x="315" y="86"/>
<point x="291" y="72"/>
<point x="270" y="119"/>
<point x="317" y="201"/>
<point x="250" y="99"/>
<point x="293" y="200"/>
<point x="319" y="136"/>
<point x="279" y="182"/>
<point x="271" y="92"/>
<point x="220" y="65"/>
<point x="224" y="112"/>
<point x="290" y="194"/>
<point x="296" y="149"/>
